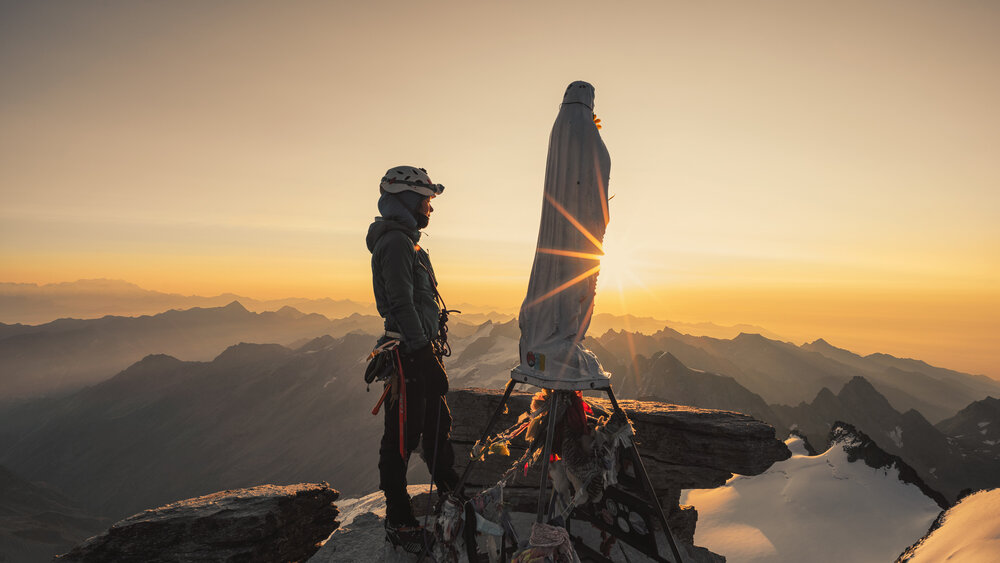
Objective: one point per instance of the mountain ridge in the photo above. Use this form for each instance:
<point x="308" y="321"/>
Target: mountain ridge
<point x="68" y="354"/>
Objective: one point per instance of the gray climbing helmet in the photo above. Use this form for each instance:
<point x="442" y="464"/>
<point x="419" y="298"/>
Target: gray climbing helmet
<point x="402" y="178"/>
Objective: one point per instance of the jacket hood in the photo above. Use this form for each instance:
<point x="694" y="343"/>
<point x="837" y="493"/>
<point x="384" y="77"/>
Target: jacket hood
<point x="402" y="207"/>
<point x="382" y="226"/>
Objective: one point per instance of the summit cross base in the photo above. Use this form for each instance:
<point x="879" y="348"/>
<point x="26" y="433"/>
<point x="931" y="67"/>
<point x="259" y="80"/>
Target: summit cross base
<point x="620" y="499"/>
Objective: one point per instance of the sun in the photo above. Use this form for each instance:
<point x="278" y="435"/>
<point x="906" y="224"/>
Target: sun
<point x="620" y="265"/>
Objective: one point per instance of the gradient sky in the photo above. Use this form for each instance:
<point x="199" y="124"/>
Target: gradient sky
<point x="823" y="169"/>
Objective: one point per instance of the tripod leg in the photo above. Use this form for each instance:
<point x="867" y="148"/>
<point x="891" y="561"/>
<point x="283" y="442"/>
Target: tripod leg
<point x="641" y="470"/>
<point x="550" y="432"/>
<point x="486" y="432"/>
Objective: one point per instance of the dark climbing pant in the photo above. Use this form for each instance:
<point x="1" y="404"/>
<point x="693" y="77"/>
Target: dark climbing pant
<point x="430" y="419"/>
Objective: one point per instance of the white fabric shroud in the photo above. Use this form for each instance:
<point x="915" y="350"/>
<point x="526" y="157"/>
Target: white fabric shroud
<point x="556" y="312"/>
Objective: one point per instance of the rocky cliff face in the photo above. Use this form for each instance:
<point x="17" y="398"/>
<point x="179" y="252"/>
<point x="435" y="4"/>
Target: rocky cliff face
<point x="259" y="524"/>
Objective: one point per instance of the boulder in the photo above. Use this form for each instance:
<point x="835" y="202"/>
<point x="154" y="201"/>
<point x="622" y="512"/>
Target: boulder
<point x="258" y="524"/>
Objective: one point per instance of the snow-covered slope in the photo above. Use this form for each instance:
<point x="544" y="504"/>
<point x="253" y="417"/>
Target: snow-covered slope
<point x="817" y="509"/>
<point x="969" y="532"/>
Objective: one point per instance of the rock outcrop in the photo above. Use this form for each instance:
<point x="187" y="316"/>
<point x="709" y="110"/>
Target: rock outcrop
<point x="682" y="448"/>
<point x="258" y="524"/>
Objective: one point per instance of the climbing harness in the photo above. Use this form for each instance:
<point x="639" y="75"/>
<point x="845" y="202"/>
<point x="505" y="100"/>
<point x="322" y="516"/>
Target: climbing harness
<point x="442" y="349"/>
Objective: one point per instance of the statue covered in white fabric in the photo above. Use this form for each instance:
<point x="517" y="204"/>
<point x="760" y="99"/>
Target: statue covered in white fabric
<point x="556" y="312"/>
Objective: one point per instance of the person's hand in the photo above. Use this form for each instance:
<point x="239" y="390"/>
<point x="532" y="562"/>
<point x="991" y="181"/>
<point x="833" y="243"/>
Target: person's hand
<point x="430" y="370"/>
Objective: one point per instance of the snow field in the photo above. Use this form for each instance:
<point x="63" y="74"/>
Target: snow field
<point x="817" y="509"/>
<point x="970" y="533"/>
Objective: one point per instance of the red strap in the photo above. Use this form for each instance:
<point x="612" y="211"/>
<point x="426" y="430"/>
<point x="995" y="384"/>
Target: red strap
<point x="381" y="400"/>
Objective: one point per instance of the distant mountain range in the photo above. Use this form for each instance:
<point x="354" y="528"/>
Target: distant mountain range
<point x="961" y="452"/>
<point x="134" y="412"/>
<point x="29" y="303"/>
<point x="165" y="429"/>
<point x="67" y="354"/>
<point x="603" y="322"/>
<point x="783" y="373"/>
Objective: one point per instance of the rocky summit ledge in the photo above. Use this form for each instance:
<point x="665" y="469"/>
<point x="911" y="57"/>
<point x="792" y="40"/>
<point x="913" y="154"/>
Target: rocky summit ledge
<point x="258" y="524"/>
<point x="682" y="447"/>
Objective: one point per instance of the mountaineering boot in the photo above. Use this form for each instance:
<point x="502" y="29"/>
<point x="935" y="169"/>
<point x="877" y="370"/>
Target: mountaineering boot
<point x="398" y="511"/>
<point x="405" y="532"/>
<point x="401" y="528"/>
<point x="411" y="540"/>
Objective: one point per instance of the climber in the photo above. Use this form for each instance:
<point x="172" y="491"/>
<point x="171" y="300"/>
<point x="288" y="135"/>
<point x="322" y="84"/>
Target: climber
<point x="407" y="299"/>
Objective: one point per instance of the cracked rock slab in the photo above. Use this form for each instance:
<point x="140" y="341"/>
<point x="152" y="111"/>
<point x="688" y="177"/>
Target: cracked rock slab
<point x="682" y="447"/>
<point x="257" y="524"/>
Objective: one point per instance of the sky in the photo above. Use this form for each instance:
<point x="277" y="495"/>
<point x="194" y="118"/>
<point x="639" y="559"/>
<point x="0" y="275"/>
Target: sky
<point x="822" y="169"/>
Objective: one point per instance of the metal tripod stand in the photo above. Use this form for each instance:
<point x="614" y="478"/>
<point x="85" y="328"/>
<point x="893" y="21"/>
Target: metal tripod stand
<point x="641" y="473"/>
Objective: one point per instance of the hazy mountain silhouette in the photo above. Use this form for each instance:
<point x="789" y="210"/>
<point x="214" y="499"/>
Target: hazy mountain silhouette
<point x="29" y="303"/>
<point x="603" y="322"/>
<point x="935" y="392"/>
<point x="941" y="460"/>
<point x="68" y="354"/>
<point x="780" y="372"/>
<point x="783" y="373"/>
<point x="165" y="429"/>
<point x="667" y="379"/>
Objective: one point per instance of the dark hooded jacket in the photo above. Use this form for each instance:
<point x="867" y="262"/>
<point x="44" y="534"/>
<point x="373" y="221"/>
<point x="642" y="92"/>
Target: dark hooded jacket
<point x="402" y="275"/>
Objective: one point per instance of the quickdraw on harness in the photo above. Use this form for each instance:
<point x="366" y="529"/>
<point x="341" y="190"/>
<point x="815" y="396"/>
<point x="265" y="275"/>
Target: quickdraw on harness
<point x="442" y="349"/>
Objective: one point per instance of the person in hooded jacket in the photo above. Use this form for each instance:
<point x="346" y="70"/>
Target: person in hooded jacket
<point x="407" y="299"/>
